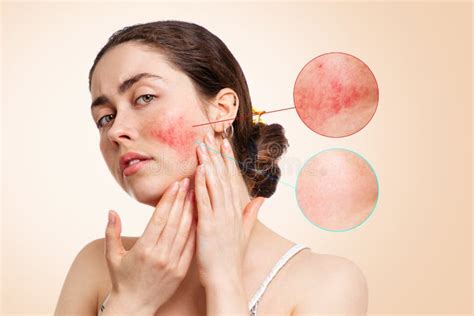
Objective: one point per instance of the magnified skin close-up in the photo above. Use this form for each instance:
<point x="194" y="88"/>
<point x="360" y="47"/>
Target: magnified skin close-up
<point x="335" y="95"/>
<point x="336" y="190"/>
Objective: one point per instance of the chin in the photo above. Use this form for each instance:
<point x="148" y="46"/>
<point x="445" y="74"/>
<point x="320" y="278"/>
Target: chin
<point x="147" y="192"/>
<point x="148" y="198"/>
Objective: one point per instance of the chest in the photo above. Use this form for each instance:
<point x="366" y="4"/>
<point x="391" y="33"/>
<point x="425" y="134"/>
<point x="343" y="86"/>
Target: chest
<point x="278" y="298"/>
<point x="274" y="301"/>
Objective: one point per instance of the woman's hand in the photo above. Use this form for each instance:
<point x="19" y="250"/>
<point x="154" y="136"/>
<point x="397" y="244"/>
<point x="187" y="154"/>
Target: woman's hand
<point x="225" y="220"/>
<point x="149" y="273"/>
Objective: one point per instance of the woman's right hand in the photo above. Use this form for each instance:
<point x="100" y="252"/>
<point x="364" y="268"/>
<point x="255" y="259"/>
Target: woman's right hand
<point x="150" y="272"/>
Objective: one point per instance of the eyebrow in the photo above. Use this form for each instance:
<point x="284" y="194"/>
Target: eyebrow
<point x="124" y="86"/>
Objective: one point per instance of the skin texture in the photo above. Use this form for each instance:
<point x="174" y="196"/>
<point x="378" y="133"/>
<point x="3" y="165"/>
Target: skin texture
<point x="335" y="95"/>
<point x="173" y="135"/>
<point x="336" y="190"/>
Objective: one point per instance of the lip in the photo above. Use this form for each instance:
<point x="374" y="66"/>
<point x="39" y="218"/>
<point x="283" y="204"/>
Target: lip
<point x="124" y="160"/>
<point x="134" y="168"/>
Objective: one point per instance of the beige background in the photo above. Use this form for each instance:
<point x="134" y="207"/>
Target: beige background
<point x="415" y="249"/>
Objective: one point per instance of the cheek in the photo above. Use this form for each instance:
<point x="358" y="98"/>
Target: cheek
<point x="105" y="151"/>
<point x="327" y="87"/>
<point x="110" y="158"/>
<point x="177" y="132"/>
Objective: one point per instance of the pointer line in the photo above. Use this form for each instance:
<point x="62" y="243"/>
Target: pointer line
<point x="259" y="114"/>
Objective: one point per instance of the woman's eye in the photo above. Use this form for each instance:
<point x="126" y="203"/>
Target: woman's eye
<point x="146" y="97"/>
<point x="100" y="123"/>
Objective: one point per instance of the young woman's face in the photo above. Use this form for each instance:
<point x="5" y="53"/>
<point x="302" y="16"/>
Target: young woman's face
<point x="150" y="116"/>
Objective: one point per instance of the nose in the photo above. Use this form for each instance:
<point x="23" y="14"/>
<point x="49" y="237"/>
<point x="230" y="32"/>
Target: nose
<point x="122" y="129"/>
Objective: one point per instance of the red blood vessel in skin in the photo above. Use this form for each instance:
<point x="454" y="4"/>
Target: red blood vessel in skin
<point x="335" y="94"/>
<point x="176" y="133"/>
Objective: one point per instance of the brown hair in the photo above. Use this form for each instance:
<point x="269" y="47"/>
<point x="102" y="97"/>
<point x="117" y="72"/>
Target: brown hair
<point x="211" y="67"/>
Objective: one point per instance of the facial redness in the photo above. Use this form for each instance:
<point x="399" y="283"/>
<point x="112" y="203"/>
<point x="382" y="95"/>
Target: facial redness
<point x="177" y="132"/>
<point x="342" y="95"/>
<point x="330" y="84"/>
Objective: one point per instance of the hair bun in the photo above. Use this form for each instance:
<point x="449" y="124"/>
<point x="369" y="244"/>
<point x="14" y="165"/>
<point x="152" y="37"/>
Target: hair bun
<point x="207" y="61"/>
<point x="266" y="145"/>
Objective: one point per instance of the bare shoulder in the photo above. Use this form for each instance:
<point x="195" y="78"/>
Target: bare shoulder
<point x="103" y="285"/>
<point x="127" y="241"/>
<point x="97" y="248"/>
<point x="330" y="284"/>
<point x="79" y="291"/>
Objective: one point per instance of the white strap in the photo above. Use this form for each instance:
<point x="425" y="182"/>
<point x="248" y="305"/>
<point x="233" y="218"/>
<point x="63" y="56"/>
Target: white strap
<point x="284" y="259"/>
<point x="253" y="302"/>
<point x="102" y="306"/>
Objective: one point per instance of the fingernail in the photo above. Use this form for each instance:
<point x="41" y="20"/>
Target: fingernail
<point x="175" y="186"/>
<point x="111" y="218"/>
<point x="226" y="144"/>
<point x="203" y="148"/>
<point x="209" y="137"/>
<point x="185" y="184"/>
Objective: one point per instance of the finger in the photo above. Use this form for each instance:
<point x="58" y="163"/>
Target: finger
<point x="203" y="202"/>
<point x="183" y="230"/>
<point x="159" y="218"/>
<point x="221" y="172"/>
<point x="113" y="241"/>
<point x="188" y="251"/>
<point x="165" y="240"/>
<point x="216" y="158"/>
<point x="213" y="183"/>
<point x="203" y="153"/>
<point x="234" y="173"/>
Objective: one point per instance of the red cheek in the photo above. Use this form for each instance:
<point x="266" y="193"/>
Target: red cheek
<point x="341" y="96"/>
<point x="330" y="84"/>
<point x="177" y="133"/>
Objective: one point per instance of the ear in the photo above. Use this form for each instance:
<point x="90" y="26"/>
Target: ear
<point x="224" y="107"/>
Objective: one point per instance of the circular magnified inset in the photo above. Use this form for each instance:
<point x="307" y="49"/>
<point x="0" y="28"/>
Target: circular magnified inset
<point x="335" y="94"/>
<point x="337" y="189"/>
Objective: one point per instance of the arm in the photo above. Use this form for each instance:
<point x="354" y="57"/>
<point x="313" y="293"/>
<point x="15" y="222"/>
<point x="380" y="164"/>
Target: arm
<point x="118" y="303"/>
<point x="341" y="289"/>
<point x="79" y="291"/>
<point x="226" y="297"/>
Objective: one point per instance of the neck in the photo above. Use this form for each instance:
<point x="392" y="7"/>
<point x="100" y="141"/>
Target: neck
<point x="192" y="281"/>
<point x="255" y="240"/>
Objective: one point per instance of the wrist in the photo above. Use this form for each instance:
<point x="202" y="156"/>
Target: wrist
<point x="120" y="304"/>
<point x="225" y="284"/>
<point x="227" y="297"/>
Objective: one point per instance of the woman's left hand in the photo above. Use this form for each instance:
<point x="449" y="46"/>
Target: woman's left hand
<point x="225" y="221"/>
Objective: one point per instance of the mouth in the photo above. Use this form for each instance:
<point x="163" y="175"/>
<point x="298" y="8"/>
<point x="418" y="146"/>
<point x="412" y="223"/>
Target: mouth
<point x="134" y="166"/>
<point x="132" y="162"/>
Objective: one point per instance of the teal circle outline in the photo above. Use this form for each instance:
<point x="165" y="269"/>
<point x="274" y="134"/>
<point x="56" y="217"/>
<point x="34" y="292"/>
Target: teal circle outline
<point x="371" y="212"/>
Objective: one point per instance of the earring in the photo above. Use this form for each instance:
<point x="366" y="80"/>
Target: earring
<point x="227" y="134"/>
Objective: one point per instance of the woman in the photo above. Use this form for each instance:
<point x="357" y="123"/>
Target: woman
<point x="155" y="89"/>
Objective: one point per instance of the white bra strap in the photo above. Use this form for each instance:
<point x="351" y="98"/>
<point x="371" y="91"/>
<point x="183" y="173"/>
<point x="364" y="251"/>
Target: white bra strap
<point x="102" y="306"/>
<point x="284" y="259"/>
<point x="252" y="304"/>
